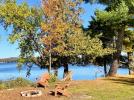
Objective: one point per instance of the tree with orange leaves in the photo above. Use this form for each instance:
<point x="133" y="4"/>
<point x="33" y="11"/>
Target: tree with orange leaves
<point x="61" y="17"/>
<point x="63" y="36"/>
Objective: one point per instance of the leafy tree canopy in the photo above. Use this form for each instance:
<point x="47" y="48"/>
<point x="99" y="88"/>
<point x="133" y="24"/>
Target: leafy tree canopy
<point x="64" y="35"/>
<point x="25" y="22"/>
<point x="56" y="29"/>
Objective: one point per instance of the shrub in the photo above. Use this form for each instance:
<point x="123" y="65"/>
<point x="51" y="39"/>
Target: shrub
<point x="2" y="86"/>
<point x="18" y="82"/>
<point x="53" y="78"/>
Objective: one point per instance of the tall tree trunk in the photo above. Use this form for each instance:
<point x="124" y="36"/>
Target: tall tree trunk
<point x="105" y="62"/>
<point x="64" y="61"/>
<point x="105" y="66"/>
<point x="113" y="68"/>
<point x="50" y="63"/>
<point x="50" y="60"/>
<point x="65" y="69"/>
<point x="116" y="55"/>
<point x="130" y="63"/>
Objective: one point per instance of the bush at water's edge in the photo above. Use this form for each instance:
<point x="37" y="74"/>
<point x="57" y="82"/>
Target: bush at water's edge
<point x="18" y="82"/>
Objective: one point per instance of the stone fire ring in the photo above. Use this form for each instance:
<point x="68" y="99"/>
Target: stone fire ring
<point x="31" y="93"/>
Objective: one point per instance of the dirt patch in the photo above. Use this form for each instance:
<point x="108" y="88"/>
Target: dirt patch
<point x="14" y="94"/>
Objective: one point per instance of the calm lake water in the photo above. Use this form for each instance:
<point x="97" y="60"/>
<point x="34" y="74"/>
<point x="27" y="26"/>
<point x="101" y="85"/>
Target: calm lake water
<point x="88" y="72"/>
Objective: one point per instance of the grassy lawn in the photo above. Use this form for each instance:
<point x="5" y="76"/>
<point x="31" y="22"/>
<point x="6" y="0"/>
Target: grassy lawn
<point x="119" y="88"/>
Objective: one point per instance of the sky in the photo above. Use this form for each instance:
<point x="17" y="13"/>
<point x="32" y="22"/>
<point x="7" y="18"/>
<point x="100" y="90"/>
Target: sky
<point x="11" y="50"/>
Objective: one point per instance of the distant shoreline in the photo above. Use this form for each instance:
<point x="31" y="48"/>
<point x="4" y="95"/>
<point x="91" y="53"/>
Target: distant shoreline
<point x="8" y="60"/>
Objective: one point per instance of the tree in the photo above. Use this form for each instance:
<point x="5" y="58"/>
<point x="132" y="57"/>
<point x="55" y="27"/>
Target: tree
<point x="116" y="17"/>
<point x="59" y="16"/>
<point x="64" y="39"/>
<point x="25" y="22"/>
<point x="128" y="44"/>
<point x="55" y="33"/>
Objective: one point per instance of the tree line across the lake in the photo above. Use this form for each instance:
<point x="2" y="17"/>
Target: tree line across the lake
<point x="52" y="35"/>
<point x="7" y="60"/>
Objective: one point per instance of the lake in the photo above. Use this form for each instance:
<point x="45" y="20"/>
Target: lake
<point x="88" y="72"/>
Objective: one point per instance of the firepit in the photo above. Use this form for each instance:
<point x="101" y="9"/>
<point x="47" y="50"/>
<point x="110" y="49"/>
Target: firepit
<point x="31" y="93"/>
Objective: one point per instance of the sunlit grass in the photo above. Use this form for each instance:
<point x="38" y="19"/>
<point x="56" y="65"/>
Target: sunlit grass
<point x="119" y="88"/>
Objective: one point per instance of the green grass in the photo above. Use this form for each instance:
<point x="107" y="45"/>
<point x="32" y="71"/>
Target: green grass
<point x="13" y="83"/>
<point x="105" y="89"/>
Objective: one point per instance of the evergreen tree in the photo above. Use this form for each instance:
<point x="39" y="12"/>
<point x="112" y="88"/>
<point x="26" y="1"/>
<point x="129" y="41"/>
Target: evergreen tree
<point x="113" y="22"/>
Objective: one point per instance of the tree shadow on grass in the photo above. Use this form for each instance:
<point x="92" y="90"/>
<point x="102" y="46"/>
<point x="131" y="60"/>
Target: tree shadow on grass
<point x="122" y="80"/>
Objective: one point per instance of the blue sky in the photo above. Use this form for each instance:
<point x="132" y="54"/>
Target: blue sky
<point x="11" y="50"/>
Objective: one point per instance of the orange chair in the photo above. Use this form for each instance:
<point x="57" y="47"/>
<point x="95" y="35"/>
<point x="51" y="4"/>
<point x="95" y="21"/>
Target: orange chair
<point x="43" y="81"/>
<point x="62" y="89"/>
